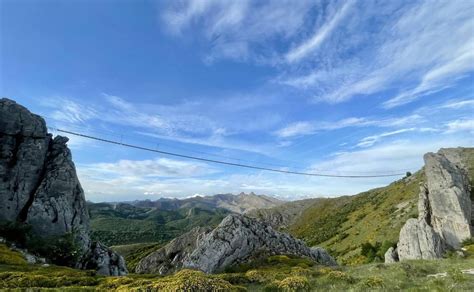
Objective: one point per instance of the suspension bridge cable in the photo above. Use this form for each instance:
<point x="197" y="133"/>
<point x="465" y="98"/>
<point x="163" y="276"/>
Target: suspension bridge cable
<point x="222" y="162"/>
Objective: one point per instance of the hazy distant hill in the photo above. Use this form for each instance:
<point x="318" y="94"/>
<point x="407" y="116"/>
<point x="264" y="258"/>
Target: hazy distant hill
<point x="164" y="219"/>
<point x="240" y="203"/>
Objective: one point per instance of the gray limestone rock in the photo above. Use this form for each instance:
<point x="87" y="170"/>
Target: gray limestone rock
<point x="104" y="260"/>
<point x="449" y="196"/>
<point x="444" y="209"/>
<point x="391" y="255"/>
<point x="39" y="184"/>
<point x="24" y="145"/>
<point x="59" y="205"/>
<point x="170" y="258"/>
<point x="237" y="239"/>
<point x="418" y="240"/>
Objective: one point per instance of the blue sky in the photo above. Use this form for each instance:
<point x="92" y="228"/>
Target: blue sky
<point x="336" y="87"/>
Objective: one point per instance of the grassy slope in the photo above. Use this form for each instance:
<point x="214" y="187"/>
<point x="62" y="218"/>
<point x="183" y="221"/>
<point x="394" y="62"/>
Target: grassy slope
<point x="133" y="253"/>
<point x="277" y="273"/>
<point x="343" y="224"/>
<point x="128" y="224"/>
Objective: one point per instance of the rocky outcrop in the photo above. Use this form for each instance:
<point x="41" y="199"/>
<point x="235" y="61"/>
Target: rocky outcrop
<point x="104" y="260"/>
<point x="391" y="255"/>
<point x="236" y="239"/>
<point x="170" y="258"/>
<point x="444" y="209"/>
<point x="418" y="240"/>
<point x="449" y="196"/>
<point x="38" y="180"/>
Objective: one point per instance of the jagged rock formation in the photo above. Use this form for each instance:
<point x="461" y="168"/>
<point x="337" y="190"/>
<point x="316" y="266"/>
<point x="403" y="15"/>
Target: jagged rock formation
<point x="449" y="196"/>
<point x="38" y="181"/>
<point x="170" y="258"/>
<point x="444" y="208"/>
<point x="237" y="239"/>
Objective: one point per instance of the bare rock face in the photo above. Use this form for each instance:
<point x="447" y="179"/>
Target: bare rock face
<point x="38" y="180"/>
<point x="237" y="239"/>
<point x="418" y="240"/>
<point x="24" y="145"/>
<point x="444" y="208"/>
<point x="170" y="258"/>
<point x="449" y="196"/>
<point x="59" y="205"/>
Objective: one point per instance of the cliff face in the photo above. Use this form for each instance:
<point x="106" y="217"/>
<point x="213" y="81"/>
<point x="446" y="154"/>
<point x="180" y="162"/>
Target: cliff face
<point x="38" y="181"/>
<point x="444" y="208"/>
<point x="236" y="240"/>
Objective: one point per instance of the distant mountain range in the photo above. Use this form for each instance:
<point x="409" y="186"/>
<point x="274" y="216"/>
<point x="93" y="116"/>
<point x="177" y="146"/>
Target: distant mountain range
<point x="241" y="203"/>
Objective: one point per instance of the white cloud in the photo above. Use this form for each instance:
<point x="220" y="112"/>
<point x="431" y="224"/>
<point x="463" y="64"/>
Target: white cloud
<point x="70" y="111"/>
<point x="296" y="129"/>
<point x="371" y="140"/>
<point x="457" y="104"/>
<point x="396" y="156"/>
<point x="303" y="128"/>
<point x="460" y="125"/>
<point x="421" y="48"/>
<point x="200" y="122"/>
<point x="237" y="29"/>
<point x="151" y="168"/>
<point x="311" y="44"/>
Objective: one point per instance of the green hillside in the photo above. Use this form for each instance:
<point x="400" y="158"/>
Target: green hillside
<point x="360" y="228"/>
<point x="121" y="224"/>
<point x="343" y="225"/>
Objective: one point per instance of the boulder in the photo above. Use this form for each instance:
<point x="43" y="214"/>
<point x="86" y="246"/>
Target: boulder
<point x="237" y="239"/>
<point x="104" y="260"/>
<point x="391" y="255"/>
<point x="418" y="240"/>
<point x="39" y="184"/>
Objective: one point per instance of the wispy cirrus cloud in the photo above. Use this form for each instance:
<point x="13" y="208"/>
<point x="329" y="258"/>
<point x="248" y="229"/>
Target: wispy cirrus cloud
<point x="457" y="104"/>
<point x="308" y="46"/>
<point x="238" y="29"/>
<point x="158" y="167"/>
<point x="397" y="54"/>
<point x="193" y="122"/>
<point x="304" y="128"/>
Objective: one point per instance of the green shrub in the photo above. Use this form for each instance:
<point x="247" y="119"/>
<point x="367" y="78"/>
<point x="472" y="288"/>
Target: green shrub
<point x="456" y="275"/>
<point x="338" y="276"/>
<point x="373" y="282"/>
<point x="61" y="250"/>
<point x="30" y="280"/>
<point x="184" y="280"/>
<point x="15" y="232"/>
<point x="375" y="252"/>
<point x="10" y="257"/>
<point x="294" y="283"/>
